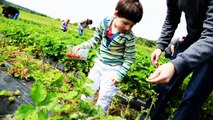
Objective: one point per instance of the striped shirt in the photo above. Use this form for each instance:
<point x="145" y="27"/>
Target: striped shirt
<point x="119" y="49"/>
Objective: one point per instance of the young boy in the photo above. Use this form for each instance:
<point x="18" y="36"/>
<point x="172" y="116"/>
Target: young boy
<point x="117" y="50"/>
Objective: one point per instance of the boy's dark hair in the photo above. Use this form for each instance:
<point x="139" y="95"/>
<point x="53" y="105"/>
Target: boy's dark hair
<point x="130" y="9"/>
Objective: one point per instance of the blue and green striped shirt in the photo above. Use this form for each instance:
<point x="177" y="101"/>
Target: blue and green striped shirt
<point x="119" y="49"/>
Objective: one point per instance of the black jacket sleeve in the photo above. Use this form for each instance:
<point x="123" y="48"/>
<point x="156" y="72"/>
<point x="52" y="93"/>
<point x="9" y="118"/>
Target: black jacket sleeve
<point x="202" y="49"/>
<point x="170" y="24"/>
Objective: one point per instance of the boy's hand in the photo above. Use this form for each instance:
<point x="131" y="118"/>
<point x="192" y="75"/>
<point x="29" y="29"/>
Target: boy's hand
<point x="114" y="82"/>
<point x="78" y="47"/>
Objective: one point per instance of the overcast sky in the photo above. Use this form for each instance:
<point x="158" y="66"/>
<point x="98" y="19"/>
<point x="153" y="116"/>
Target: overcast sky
<point x="77" y="10"/>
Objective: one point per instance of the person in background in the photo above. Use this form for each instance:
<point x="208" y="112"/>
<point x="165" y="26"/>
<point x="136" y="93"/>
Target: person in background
<point x="194" y="54"/>
<point x="10" y="12"/>
<point x="116" y="51"/>
<point x="82" y="25"/>
<point x="169" y="51"/>
<point x="64" y="25"/>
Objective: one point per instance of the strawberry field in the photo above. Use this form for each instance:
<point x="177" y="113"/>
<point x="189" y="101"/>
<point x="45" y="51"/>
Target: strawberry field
<point x="34" y="51"/>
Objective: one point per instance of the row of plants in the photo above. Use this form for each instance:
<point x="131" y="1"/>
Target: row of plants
<point x="55" y="95"/>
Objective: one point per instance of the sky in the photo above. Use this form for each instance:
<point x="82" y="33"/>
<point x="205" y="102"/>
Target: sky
<point x="77" y="10"/>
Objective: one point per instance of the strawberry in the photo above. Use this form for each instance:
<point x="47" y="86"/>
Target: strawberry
<point x="25" y="72"/>
<point x="69" y="55"/>
<point x="74" y="56"/>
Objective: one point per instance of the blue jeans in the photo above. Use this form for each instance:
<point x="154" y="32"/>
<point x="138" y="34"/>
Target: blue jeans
<point x="16" y="16"/>
<point x="80" y="31"/>
<point x="197" y="91"/>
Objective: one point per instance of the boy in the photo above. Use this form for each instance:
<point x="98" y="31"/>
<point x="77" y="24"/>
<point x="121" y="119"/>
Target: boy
<point x="117" y="50"/>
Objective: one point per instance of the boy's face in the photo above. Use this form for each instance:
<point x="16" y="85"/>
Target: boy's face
<point x="123" y="25"/>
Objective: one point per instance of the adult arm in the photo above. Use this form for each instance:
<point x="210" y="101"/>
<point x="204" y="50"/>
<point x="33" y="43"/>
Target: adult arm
<point x="170" y="25"/>
<point x="200" y="50"/>
<point x="191" y="57"/>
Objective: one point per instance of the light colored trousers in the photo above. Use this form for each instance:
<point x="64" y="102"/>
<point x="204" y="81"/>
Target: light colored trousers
<point x="102" y="74"/>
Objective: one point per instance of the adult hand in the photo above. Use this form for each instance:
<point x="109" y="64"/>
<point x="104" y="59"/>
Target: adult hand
<point x="162" y="74"/>
<point x="155" y="57"/>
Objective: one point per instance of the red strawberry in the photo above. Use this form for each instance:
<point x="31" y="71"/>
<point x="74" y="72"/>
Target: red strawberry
<point x="69" y="55"/>
<point x="25" y="72"/>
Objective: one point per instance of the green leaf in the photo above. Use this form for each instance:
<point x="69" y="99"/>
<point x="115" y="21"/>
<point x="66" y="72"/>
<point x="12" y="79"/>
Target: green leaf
<point x="5" y="93"/>
<point x="11" y="48"/>
<point x="59" y="108"/>
<point x="58" y="82"/>
<point x="29" y="48"/>
<point x="3" y="57"/>
<point x="50" y="101"/>
<point x="25" y="111"/>
<point x="42" y="115"/>
<point x="66" y="87"/>
<point x="16" y="75"/>
<point x="38" y="93"/>
<point x="71" y="95"/>
<point x="21" y="58"/>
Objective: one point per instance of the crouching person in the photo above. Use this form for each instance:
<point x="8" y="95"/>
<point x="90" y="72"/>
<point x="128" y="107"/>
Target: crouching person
<point x="10" y="12"/>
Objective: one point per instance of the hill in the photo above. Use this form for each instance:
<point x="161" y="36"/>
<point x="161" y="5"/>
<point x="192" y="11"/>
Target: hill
<point x="7" y="3"/>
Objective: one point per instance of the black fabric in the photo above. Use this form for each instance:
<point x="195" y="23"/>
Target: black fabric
<point x="9" y="83"/>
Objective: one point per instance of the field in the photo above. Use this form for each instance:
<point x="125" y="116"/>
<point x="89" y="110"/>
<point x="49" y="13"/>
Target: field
<point x="35" y="47"/>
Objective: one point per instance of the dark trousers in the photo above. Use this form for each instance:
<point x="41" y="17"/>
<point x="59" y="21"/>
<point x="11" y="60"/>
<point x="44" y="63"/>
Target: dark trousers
<point x="168" y="55"/>
<point x="199" y="88"/>
<point x="80" y="31"/>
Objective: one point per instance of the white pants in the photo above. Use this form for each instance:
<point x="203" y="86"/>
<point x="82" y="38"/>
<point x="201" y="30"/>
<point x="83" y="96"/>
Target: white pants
<point x="102" y="74"/>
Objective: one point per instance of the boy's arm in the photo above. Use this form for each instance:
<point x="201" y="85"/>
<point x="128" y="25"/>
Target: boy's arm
<point x="129" y="57"/>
